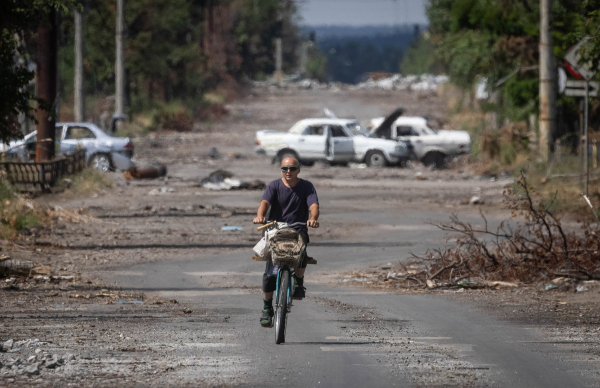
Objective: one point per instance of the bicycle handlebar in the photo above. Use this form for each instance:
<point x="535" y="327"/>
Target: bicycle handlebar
<point x="275" y="222"/>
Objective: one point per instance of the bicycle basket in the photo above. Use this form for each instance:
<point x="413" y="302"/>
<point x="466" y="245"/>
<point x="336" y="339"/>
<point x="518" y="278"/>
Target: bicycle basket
<point x="287" y="247"/>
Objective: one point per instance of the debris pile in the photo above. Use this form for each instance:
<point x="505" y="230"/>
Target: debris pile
<point x="11" y="267"/>
<point x="224" y="180"/>
<point x="535" y="251"/>
<point x="146" y="172"/>
<point x="423" y="82"/>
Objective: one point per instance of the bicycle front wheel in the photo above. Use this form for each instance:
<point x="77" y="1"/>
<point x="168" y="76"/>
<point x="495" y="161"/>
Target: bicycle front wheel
<point x="282" y="306"/>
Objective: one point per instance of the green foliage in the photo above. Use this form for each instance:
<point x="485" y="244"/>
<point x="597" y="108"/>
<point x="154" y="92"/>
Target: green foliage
<point x="420" y="58"/>
<point x="173" y="116"/>
<point x="492" y="38"/>
<point x="316" y="65"/>
<point x="15" y="214"/>
<point x="256" y="27"/>
<point x="18" y="20"/>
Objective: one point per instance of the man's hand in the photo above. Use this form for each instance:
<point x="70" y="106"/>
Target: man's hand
<point x="312" y="223"/>
<point x="260" y="220"/>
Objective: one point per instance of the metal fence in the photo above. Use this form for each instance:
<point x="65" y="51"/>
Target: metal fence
<point x="44" y="174"/>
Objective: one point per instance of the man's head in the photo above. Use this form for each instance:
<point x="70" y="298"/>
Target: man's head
<point x="290" y="168"/>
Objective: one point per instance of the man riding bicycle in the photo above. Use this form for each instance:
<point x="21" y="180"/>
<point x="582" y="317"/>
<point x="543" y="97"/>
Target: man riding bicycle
<point x="290" y="200"/>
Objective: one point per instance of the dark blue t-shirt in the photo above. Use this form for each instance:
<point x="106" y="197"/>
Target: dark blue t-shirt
<point x="290" y="204"/>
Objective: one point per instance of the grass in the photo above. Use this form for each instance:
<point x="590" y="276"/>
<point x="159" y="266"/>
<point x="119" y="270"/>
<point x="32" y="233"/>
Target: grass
<point x="89" y="181"/>
<point x="558" y="181"/>
<point x="16" y="213"/>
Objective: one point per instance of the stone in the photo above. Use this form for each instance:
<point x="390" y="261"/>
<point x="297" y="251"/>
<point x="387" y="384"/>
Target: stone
<point x="8" y="344"/>
<point x="32" y="369"/>
<point x="38" y="351"/>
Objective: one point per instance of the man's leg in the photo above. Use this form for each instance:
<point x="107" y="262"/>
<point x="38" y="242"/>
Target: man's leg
<point x="268" y="286"/>
<point x="300" y="290"/>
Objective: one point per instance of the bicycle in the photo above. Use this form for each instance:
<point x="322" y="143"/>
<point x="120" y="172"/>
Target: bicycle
<point x="287" y="249"/>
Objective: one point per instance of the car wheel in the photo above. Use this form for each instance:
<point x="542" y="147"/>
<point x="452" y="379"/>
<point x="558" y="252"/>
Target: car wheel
<point x="434" y="159"/>
<point x="376" y="159"/>
<point x="100" y="162"/>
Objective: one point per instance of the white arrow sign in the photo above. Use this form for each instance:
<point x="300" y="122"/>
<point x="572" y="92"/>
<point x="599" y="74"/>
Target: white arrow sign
<point x="576" y="88"/>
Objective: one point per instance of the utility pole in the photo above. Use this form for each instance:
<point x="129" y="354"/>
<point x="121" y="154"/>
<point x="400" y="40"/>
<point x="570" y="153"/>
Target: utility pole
<point x="120" y="62"/>
<point x="278" y="43"/>
<point x="79" y="95"/>
<point x="547" y="118"/>
<point x="46" y="64"/>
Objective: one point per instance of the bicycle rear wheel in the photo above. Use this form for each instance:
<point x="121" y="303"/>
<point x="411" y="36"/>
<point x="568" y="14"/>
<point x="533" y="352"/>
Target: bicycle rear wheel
<point x="282" y="306"/>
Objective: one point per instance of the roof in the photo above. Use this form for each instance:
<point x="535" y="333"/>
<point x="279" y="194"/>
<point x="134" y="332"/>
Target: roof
<point x="408" y="120"/>
<point x="326" y="121"/>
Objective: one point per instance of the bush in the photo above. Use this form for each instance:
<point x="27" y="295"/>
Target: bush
<point x="172" y="117"/>
<point x="16" y="214"/>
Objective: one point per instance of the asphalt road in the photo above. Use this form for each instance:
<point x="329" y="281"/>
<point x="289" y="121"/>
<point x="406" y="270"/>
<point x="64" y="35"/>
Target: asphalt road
<point x="342" y="336"/>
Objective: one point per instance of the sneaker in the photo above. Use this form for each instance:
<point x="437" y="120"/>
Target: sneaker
<point x="266" y="318"/>
<point x="299" y="293"/>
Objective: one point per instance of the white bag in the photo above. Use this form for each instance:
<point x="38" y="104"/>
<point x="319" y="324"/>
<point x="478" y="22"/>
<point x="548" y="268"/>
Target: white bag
<point x="262" y="247"/>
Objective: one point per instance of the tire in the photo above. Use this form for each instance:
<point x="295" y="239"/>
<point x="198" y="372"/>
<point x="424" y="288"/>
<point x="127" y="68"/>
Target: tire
<point x="375" y="159"/>
<point x="434" y="159"/>
<point x="101" y="162"/>
<point x="282" y="307"/>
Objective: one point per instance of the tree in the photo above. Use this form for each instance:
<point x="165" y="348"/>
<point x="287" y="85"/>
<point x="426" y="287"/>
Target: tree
<point x="18" y="21"/>
<point x="492" y="38"/>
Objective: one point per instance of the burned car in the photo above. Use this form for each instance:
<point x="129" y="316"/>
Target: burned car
<point x="102" y="152"/>
<point x="333" y="140"/>
<point x="431" y="147"/>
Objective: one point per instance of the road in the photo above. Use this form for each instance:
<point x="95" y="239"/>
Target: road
<point x="348" y="337"/>
<point x="179" y="299"/>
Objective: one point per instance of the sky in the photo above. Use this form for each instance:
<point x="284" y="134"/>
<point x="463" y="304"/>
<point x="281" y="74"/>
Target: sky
<point x="362" y="12"/>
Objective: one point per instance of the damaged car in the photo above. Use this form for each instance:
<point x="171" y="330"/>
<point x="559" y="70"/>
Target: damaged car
<point x="102" y="152"/>
<point x="431" y="147"/>
<point x="331" y="140"/>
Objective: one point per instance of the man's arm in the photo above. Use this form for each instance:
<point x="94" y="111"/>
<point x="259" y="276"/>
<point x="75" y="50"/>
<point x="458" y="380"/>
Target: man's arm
<point x="261" y="212"/>
<point x="314" y="216"/>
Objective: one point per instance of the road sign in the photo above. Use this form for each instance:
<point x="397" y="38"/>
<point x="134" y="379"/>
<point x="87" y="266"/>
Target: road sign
<point x="576" y="88"/>
<point x="574" y="59"/>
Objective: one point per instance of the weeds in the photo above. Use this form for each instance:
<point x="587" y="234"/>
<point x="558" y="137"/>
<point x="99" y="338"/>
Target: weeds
<point x="16" y="214"/>
<point x="89" y="181"/>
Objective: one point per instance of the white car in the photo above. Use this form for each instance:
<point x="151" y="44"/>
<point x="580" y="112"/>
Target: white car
<point x="430" y="146"/>
<point x="337" y="141"/>
<point x="103" y="152"/>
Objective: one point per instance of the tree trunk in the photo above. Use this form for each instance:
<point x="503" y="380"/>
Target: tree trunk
<point x="46" y="88"/>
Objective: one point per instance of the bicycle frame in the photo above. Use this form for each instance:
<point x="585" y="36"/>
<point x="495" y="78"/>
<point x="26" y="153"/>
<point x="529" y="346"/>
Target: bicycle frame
<point x="290" y="288"/>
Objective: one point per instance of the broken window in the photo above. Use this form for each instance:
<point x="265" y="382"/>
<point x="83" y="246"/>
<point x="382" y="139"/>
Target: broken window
<point x="406" y="130"/>
<point x="317" y="130"/>
<point x="337" y="131"/>
<point x="79" y="133"/>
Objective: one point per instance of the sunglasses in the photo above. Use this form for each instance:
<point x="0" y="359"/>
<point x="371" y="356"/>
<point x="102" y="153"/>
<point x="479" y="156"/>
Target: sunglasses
<point x="292" y="169"/>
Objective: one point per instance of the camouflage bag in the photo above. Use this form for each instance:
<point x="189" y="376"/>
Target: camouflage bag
<point x="287" y="247"/>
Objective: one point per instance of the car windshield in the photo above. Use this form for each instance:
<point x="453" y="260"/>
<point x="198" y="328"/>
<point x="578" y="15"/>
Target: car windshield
<point x="298" y="128"/>
<point x="357" y="129"/>
<point x="429" y="131"/>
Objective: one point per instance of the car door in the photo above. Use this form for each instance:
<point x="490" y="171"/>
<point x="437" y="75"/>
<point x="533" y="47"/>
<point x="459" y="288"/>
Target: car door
<point x="312" y="142"/>
<point x="76" y="137"/>
<point x="408" y="132"/>
<point x="341" y="144"/>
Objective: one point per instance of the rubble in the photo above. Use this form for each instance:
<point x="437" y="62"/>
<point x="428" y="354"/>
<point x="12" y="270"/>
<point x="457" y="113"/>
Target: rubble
<point x="146" y="173"/>
<point x="224" y="180"/>
<point x="11" y="267"/>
